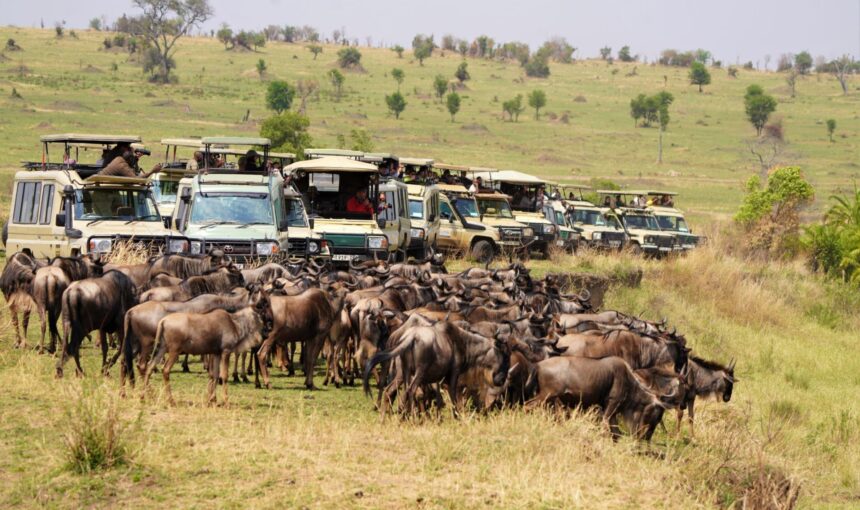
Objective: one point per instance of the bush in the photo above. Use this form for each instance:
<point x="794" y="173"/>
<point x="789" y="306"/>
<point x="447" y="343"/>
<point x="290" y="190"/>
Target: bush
<point x="538" y="65"/>
<point x="348" y="58"/>
<point x="95" y="437"/>
<point x="361" y="140"/>
<point x="288" y="132"/>
<point x="279" y="96"/>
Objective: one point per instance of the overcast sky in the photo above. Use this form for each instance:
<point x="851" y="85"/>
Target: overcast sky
<point x="733" y="30"/>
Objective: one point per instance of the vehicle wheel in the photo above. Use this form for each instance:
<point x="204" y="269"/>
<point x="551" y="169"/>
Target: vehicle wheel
<point x="482" y="251"/>
<point x="5" y="233"/>
<point x="546" y="252"/>
<point x="636" y="249"/>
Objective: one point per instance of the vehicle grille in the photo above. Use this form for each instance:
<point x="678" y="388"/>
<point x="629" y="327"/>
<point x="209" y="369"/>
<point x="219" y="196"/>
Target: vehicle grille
<point x="152" y="245"/>
<point x="298" y="245"/>
<point x="664" y="241"/>
<point x="511" y="234"/>
<point x="232" y="248"/>
<point x="612" y="236"/>
<point x="687" y="239"/>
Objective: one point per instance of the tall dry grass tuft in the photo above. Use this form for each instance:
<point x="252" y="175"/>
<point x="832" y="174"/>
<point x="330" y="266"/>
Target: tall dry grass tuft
<point x="96" y="435"/>
<point x="127" y="252"/>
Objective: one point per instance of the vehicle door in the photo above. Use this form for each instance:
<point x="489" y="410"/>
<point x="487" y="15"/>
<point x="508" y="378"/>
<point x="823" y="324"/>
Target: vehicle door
<point x="432" y="216"/>
<point x="32" y="223"/>
<point x="450" y="229"/>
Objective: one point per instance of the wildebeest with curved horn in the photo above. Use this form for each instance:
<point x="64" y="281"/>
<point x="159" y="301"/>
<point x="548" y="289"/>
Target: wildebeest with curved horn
<point x="94" y="304"/>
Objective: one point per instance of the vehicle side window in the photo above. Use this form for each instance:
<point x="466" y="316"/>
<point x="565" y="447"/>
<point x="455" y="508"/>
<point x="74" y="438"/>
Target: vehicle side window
<point x="27" y="202"/>
<point x="445" y="211"/>
<point x="47" y="204"/>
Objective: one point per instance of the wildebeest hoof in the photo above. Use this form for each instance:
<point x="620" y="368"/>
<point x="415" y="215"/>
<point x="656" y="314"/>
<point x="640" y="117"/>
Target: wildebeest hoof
<point x="245" y="378"/>
<point x="235" y="378"/>
<point x="185" y="369"/>
<point x="59" y="374"/>
<point x="258" y="385"/>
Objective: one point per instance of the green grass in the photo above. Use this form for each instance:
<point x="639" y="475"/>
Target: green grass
<point x="69" y="86"/>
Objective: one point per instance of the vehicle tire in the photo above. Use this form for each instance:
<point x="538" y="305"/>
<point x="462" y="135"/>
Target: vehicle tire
<point x="482" y="251"/>
<point x="636" y="249"/>
<point x="5" y="233"/>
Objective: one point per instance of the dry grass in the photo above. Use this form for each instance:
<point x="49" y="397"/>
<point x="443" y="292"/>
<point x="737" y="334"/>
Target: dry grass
<point x="127" y="252"/>
<point x="789" y="435"/>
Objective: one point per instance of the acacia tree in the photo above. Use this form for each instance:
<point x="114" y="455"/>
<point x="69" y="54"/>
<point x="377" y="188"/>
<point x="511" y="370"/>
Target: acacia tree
<point x="663" y="100"/>
<point x="537" y="100"/>
<point x="261" y="68"/>
<point x="699" y="75"/>
<point x="840" y="68"/>
<point x="336" y="78"/>
<point x="758" y="107"/>
<point x="514" y="107"/>
<point x="279" y="96"/>
<point x="440" y="85"/>
<point x="164" y="22"/>
<point x="453" y="104"/>
<point x="831" y="127"/>
<point x="316" y="49"/>
<point x="398" y="76"/>
<point x="462" y="72"/>
<point x="396" y="104"/>
<point x="225" y="35"/>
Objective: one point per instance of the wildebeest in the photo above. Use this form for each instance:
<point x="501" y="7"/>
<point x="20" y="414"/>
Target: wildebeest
<point x="706" y="379"/>
<point x="186" y="266"/>
<point x="639" y="351"/>
<point x="141" y="321"/>
<point x="94" y="304"/>
<point x="50" y="282"/>
<point x="440" y="353"/>
<point x="306" y="317"/>
<point x="607" y="383"/>
<point x="217" y="280"/>
<point x="217" y="333"/>
<point x="16" y="283"/>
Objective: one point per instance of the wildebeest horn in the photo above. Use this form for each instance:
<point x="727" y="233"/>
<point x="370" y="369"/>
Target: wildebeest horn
<point x="585" y="295"/>
<point x="731" y="364"/>
<point x="352" y="263"/>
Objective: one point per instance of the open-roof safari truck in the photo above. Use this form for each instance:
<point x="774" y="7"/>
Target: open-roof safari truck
<point x="423" y="207"/>
<point x="641" y="225"/>
<point x="62" y="207"/>
<point x="670" y="218"/>
<point x="243" y="213"/>
<point x="599" y="227"/>
<point x="380" y="230"/>
<point x="464" y="230"/>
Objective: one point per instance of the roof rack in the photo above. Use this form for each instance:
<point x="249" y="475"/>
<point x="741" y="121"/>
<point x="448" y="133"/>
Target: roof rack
<point x="89" y="138"/>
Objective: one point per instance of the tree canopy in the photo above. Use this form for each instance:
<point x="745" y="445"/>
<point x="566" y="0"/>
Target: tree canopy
<point x="537" y="100"/>
<point x="279" y="96"/>
<point x="349" y="58"/>
<point x="396" y="104"/>
<point x="288" y="132"/>
<point x="699" y="75"/>
<point x="452" y="101"/>
<point x="758" y="106"/>
<point x="163" y="23"/>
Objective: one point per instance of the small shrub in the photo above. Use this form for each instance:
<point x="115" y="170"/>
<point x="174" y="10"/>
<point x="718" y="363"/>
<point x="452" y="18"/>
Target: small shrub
<point x="96" y="435"/>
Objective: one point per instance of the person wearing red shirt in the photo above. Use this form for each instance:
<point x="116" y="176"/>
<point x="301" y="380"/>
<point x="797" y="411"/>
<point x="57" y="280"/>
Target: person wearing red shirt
<point x="359" y="203"/>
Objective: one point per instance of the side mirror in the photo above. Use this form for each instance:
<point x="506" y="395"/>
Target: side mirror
<point x="311" y="223"/>
<point x="60" y="220"/>
<point x="167" y="221"/>
<point x="178" y="223"/>
<point x="380" y="222"/>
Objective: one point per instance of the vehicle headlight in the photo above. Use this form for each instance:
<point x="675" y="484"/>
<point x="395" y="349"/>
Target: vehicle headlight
<point x="597" y="236"/>
<point x="267" y="249"/>
<point x="177" y="246"/>
<point x="99" y="245"/>
<point x="649" y="239"/>
<point x="528" y="232"/>
<point x="548" y="229"/>
<point x="417" y="233"/>
<point x="313" y="247"/>
<point x="377" y="242"/>
<point x="196" y="247"/>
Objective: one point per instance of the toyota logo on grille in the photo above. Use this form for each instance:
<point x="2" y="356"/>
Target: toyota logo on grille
<point x="228" y="248"/>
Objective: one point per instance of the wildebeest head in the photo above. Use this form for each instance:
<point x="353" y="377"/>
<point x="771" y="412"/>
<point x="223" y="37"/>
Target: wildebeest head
<point x="503" y="354"/>
<point x="712" y="378"/>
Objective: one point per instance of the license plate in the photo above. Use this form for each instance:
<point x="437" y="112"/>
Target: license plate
<point x="614" y="244"/>
<point x="341" y="256"/>
<point x="665" y="249"/>
<point x="560" y="242"/>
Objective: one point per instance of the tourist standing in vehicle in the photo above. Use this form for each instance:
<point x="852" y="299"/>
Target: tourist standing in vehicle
<point x="359" y="204"/>
<point x="195" y="162"/>
<point x="124" y="166"/>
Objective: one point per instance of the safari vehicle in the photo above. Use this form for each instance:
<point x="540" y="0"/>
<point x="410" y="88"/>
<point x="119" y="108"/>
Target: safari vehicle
<point x="662" y="205"/>
<point x="526" y="201"/>
<point x="328" y="183"/>
<point x="386" y="163"/>
<point x="65" y="209"/>
<point x="423" y="210"/>
<point x="304" y="242"/>
<point x="599" y="227"/>
<point x="341" y="153"/>
<point x="641" y="225"/>
<point x="165" y="184"/>
<point x="242" y="213"/>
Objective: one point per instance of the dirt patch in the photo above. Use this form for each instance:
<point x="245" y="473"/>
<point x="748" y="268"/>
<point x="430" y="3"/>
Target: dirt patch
<point x="70" y="105"/>
<point x="579" y="99"/>
<point x="44" y="125"/>
<point x="478" y="128"/>
<point x="550" y="158"/>
<point x="92" y="69"/>
<point x="356" y="115"/>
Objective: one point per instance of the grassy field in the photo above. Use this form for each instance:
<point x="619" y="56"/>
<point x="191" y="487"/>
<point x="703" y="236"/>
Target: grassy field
<point x="68" y="85"/>
<point x="794" y="418"/>
<point x="792" y="422"/>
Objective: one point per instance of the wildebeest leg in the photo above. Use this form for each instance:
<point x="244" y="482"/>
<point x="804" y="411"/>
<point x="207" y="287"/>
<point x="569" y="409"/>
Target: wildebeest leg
<point x="26" y="324"/>
<point x="691" y="415"/>
<point x="14" y="314"/>
<point x="185" y="368"/>
<point x="262" y="354"/>
<point x="281" y="356"/>
<point x="612" y="422"/>
<point x="215" y="375"/>
<point x="454" y="394"/>
<point x="165" y="374"/>
<point x="225" y="366"/>
<point x="235" y="367"/>
<point x="291" y="367"/>
<point x="43" y="326"/>
<point x="310" y="352"/>
<point x="103" y="343"/>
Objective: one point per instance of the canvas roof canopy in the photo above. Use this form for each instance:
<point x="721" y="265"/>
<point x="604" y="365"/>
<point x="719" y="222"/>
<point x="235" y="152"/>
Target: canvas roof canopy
<point x="89" y="138"/>
<point x="332" y="164"/>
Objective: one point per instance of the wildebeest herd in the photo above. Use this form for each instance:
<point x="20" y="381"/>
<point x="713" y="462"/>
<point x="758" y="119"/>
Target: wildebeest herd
<point x="484" y="337"/>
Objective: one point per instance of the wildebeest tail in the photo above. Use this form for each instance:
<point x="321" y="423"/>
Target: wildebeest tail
<point x="384" y="356"/>
<point x="52" y="305"/>
<point x="531" y="383"/>
<point x="160" y="346"/>
<point x="71" y="307"/>
<point x="128" y="346"/>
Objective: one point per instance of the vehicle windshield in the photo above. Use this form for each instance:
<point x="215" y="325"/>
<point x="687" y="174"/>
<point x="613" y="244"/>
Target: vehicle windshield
<point x="296" y="212"/>
<point x="592" y="217"/>
<point x="496" y="207"/>
<point x="115" y="204"/>
<point x="165" y="191"/>
<point x="416" y="209"/>
<point x="466" y="208"/>
<point x="559" y="218"/>
<point x="641" y="221"/>
<point x="231" y="208"/>
<point x="672" y="223"/>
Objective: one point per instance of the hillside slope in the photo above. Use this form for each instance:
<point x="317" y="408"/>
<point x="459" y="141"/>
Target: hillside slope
<point x="69" y="85"/>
